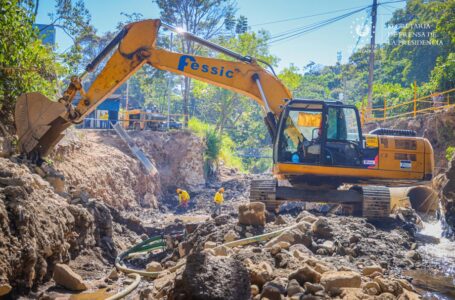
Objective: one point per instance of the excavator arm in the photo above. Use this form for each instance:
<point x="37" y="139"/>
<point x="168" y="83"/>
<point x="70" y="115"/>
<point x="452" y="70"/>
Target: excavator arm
<point x="40" y="122"/>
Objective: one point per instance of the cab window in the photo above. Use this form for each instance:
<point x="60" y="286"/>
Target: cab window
<point x="342" y="124"/>
<point x="301" y="130"/>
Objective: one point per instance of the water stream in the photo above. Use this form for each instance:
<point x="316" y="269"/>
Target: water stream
<point x="437" y="282"/>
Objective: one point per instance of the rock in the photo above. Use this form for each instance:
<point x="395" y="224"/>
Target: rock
<point x="389" y="286"/>
<point x="305" y="274"/>
<point x="64" y="276"/>
<point x="386" y="296"/>
<point x="5" y="147"/>
<point x="252" y="213"/>
<point x="230" y="236"/>
<point x="334" y="280"/>
<point x="355" y="238"/>
<point x="321" y="228"/>
<point x="222" y="220"/>
<point x="306" y="216"/>
<point x="405" y="285"/>
<point x="294" y="288"/>
<point x="276" y="248"/>
<point x="209" y="245"/>
<point x="280" y="220"/>
<point x="221" y="251"/>
<point x="273" y="291"/>
<point x="372" y="288"/>
<point x="322" y="268"/>
<point x="414" y="255"/>
<point x="368" y="270"/>
<point x="313" y="288"/>
<point x="408" y="295"/>
<point x="329" y="246"/>
<point x="5" y="288"/>
<point x="260" y="273"/>
<point x="254" y="290"/>
<point x="302" y="249"/>
<point x="113" y="275"/>
<point x="57" y="181"/>
<point x="350" y="293"/>
<point x="293" y="236"/>
<point x="154" y="266"/>
<point x="214" y="277"/>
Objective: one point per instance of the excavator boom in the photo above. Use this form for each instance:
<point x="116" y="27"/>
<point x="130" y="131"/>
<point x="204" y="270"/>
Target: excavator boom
<point x="40" y="122"/>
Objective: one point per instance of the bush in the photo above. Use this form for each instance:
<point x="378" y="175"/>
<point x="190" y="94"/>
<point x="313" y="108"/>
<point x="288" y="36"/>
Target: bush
<point x="217" y="148"/>
<point x="450" y="151"/>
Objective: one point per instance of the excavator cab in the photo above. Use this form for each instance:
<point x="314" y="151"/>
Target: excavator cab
<point x="315" y="132"/>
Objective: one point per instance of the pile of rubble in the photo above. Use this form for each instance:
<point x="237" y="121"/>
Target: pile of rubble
<point x="312" y="258"/>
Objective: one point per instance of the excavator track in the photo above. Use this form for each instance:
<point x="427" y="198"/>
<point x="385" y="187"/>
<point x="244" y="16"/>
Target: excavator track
<point x="264" y="191"/>
<point x="376" y="202"/>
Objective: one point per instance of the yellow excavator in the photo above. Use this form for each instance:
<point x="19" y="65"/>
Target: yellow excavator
<point x="318" y="146"/>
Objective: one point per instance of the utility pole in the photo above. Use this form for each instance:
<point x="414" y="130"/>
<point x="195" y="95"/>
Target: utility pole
<point x="169" y="91"/>
<point x="374" y="14"/>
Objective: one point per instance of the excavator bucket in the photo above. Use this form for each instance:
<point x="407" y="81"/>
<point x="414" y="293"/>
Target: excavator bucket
<point x="39" y="123"/>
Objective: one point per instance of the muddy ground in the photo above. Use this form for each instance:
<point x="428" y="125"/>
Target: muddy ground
<point x="109" y="204"/>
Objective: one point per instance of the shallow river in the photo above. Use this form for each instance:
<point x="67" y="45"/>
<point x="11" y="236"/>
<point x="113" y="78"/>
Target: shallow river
<point x="439" y="283"/>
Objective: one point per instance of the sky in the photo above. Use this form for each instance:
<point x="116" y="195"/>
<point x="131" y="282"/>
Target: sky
<point x="320" y="46"/>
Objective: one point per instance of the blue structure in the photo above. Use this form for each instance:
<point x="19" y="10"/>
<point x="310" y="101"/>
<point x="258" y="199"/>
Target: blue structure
<point x="111" y="106"/>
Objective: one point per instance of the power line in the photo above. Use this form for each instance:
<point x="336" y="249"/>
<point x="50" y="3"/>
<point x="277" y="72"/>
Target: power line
<point x="304" y="17"/>
<point x="319" y="14"/>
<point x="294" y="33"/>
<point x="297" y="32"/>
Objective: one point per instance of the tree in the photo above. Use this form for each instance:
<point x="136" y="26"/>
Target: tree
<point x="26" y="65"/>
<point x="205" y="18"/>
<point x="242" y="25"/>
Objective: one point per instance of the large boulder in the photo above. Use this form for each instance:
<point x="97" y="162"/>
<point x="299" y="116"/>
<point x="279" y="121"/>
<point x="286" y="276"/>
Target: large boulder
<point x="305" y="274"/>
<point x="214" y="277"/>
<point x="252" y="213"/>
<point x="64" y="276"/>
<point x="334" y="280"/>
<point x="292" y="236"/>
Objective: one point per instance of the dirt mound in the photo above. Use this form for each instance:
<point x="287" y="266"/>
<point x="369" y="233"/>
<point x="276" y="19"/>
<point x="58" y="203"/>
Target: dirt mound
<point x="178" y="156"/>
<point x="38" y="227"/>
<point x="107" y="168"/>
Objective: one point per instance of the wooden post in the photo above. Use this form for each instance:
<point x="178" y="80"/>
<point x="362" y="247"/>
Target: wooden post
<point x="384" y="115"/>
<point x="415" y="98"/>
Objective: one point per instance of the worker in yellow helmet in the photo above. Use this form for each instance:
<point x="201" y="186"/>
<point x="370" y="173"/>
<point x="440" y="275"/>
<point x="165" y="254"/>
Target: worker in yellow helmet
<point x="218" y="199"/>
<point x="184" y="198"/>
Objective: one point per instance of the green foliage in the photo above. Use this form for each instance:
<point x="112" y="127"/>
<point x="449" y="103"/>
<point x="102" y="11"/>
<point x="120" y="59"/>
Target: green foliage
<point x="450" y="151"/>
<point x="26" y="65"/>
<point x="217" y="147"/>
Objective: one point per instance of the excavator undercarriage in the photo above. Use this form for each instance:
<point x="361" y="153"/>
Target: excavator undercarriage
<point x="372" y="202"/>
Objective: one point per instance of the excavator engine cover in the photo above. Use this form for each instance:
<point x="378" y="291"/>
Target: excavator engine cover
<point x="39" y="123"/>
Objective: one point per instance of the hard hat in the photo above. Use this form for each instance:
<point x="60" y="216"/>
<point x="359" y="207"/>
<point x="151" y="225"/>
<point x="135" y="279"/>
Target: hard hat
<point x="221" y="190"/>
<point x="179" y="191"/>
